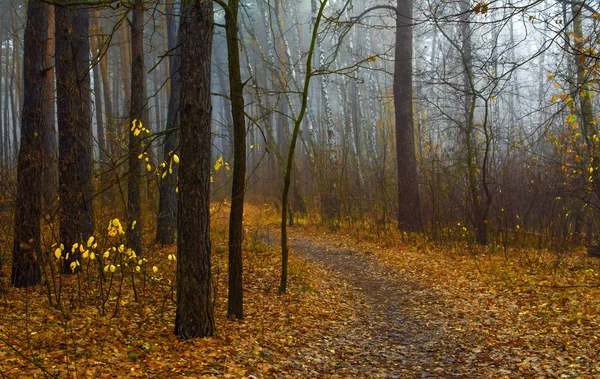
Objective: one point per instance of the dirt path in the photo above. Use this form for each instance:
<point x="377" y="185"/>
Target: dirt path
<point x="400" y="329"/>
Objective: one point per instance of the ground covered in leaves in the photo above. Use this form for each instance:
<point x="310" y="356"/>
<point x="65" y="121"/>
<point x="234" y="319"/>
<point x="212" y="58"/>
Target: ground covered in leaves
<point x="358" y="305"/>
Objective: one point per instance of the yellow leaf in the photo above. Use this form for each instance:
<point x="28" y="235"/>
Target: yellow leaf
<point x="219" y="163"/>
<point x="175" y="158"/>
<point x="57" y="253"/>
<point x="113" y="268"/>
<point x="149" y="167"/>
<point x="554" y="98"/>
<point x="550" y="77"/>
<point x="155" y="269"/>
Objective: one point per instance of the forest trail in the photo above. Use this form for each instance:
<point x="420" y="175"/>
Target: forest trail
<point x="391" y="334"/>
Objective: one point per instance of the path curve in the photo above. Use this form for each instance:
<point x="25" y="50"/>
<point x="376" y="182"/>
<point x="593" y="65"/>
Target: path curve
<point x="392" y="336"/>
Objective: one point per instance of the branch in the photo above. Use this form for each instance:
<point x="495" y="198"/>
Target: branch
<point x="582" y="4"/>
<point x="384" y="6"/>
<point x="223" y="5"/>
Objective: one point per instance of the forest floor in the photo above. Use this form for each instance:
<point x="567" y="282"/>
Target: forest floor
<point x="358" y="305"/>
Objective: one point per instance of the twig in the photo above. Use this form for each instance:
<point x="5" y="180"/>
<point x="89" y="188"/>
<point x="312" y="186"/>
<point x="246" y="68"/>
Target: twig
<point x="27" y="358"/>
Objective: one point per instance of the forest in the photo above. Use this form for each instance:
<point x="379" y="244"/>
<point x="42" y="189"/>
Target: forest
<point x="299" y="188"/>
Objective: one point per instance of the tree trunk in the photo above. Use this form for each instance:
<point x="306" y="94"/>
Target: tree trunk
<point x="49" y="149"/>
<point x="26" y="251"/>
<point x="138" y="101"/>
<point x="2" y="109"/>
<point x="238" y="189"/>
<point x="409" y="209"/>
<point x="167" y="202"/>
<point x="290" y="158"/>
<point x="74" y="127"/>
<point x="96" y="42"/>
<point x="195" y="313"/>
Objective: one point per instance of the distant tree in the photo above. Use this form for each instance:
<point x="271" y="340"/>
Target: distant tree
<point x="195" y="313"/>
<point x="166" y="222"/>
<point x="26" y="250"/>
<point x="74" y="126"/>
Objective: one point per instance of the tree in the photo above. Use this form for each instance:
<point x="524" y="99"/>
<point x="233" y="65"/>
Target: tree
<point x="166" y="222"/>
<point x="235" y="303"/>
<point x="195" y="313"/>
<point x="290" y="159"/>
<point x="74" y="127"/>
<point x="49" y="149"/>
<point x="409" y="210"/>
<point x="26" y="250"/>
<point x="138" y="100"/>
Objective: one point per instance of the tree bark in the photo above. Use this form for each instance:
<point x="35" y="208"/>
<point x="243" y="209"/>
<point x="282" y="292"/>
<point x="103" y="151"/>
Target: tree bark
<point x="138" y="101"/>
<point x="236" y="88"/>
<point x="26" y="250"/>
<point x="50" y="164"/>
<point x="409" y="209"/>
<point x="195" y="313"/>
<point x="74" y="127"/>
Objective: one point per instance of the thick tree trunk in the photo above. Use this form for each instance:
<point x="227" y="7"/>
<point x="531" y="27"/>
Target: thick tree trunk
<point x="50" y="167"/>
<point x="74" y="127"/>
<point x="409" y="208"/>
<point x="195" y="313"/>
<point x="26" y="250"/>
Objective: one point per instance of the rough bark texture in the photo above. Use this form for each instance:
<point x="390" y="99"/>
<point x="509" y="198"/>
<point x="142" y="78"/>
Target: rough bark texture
<point x="166" y="223"/>
<point x="195" y="313"/>
<point x="74" y="126"/>
<point x="409" y="211"/>
<point x="235" y="299"/>
<point x="26" y="250"/>
<point x="49" y="149"/>
<point x="138" y="99"/>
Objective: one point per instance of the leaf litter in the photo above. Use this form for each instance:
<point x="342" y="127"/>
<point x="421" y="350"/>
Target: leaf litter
<point x="357" y="306"/>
